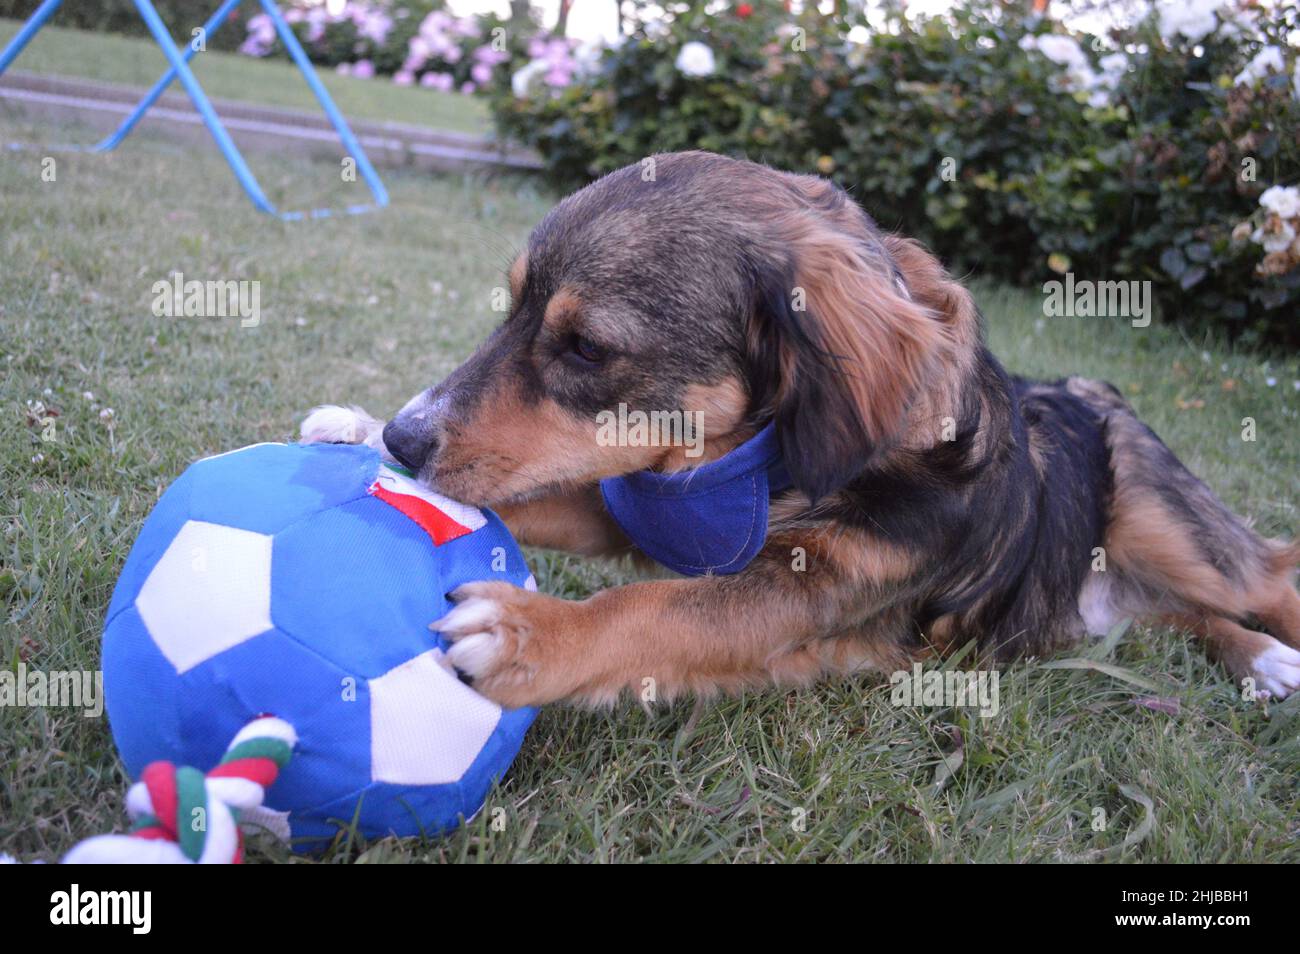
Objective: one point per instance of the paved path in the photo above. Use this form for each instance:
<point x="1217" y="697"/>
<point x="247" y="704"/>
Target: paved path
<point x="102" y="106"/>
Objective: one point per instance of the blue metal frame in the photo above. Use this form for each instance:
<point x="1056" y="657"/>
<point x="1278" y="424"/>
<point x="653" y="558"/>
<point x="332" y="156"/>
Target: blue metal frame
<point x="179" y="69"/>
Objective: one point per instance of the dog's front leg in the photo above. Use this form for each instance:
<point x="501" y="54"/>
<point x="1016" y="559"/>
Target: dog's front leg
<point x="575" y="521"/>
<point x="656" y="639"/>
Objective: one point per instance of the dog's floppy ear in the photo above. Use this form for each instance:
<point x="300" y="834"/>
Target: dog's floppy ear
<point x="838" y="348"/>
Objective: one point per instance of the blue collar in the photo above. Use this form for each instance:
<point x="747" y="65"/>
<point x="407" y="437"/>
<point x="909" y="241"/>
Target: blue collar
<point x="710" y="519"/>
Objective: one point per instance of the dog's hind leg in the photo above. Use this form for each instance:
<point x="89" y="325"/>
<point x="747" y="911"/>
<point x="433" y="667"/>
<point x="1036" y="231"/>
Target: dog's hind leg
<point x="1278" y="606"/>
<point x="1173" y="548"/>
<point x="1246" y="653"/>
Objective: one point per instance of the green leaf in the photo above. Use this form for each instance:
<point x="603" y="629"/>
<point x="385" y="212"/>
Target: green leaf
<point x="1106" y="647"/>
<point x="1109" y="669"/>
<point x="1172" y="261"/>
<point x="1193" y="276"/>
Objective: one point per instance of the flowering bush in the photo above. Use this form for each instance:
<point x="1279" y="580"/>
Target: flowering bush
<point x="413" y="44"/>
<point x="1007" y="143"/>
<point x="1214" y="125"/>
<point x="736" y="84"/>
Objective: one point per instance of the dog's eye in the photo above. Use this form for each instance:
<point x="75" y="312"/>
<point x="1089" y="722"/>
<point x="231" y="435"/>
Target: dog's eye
<point x="587" y="350"/>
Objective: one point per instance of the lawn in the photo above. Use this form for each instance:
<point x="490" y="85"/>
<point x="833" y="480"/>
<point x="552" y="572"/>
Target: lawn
<point x="274" y="82"/>
<point x="370" y="309"/>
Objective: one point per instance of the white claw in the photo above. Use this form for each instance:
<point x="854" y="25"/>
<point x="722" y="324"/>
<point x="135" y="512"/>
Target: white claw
<point x="475" y="654"/>
<point x="471" y="626"/>
<point x="472" y="615"/>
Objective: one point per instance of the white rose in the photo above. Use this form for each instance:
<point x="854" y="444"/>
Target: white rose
<point x="696" y="59"/>
<point x="1269" y="58"/>
<point x="1083" y="78"/>
<point x="1238" y="24"/>
<point x="524" y="76"/>
<point x="1114" y="63"/>
<point x="1193" y="19"/>
<point x="1062" y="50"/>
<point x="1275" y="241"/>
<point x="1113" y="68"/>
<point x="1283" y="201"/>
<point x="587" y="56"/>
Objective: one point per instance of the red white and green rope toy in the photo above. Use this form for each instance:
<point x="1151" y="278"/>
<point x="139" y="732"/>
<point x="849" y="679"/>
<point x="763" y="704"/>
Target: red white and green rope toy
<point x="182" y="816"/>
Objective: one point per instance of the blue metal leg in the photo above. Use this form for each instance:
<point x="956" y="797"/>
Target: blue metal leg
<point x="21" y="39"/>
<point x="350" y="144"/>
<point x="209" y="28"/>
<point x="178" y="68"/>
<point x="205" y="110"/>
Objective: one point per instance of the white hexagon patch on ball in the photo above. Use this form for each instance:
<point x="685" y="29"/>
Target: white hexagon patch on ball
<point x="209" y="591"/>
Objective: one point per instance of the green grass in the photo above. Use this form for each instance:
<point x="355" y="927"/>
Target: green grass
<point x="277" y="82"/>
<point x="370" y="309"/>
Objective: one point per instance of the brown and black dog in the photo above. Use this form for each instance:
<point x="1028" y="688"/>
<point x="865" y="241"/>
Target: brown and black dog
<point x="756" y="296"/>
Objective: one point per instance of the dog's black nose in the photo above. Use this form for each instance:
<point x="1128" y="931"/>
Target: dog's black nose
<point x="409" y="445"/>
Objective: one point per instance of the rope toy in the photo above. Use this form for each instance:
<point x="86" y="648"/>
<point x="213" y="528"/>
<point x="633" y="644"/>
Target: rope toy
<point x="182" y="816"/>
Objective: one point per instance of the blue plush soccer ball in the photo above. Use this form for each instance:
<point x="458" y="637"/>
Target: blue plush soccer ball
<point x="300" y="581"/>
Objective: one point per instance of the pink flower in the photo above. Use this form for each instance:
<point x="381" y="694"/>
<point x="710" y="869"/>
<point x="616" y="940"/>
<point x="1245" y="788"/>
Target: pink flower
<point x="438" y="81"/>
<point x="435" y="24"/>
<point x="403" y="78"/>
<point x="481" y="73"/>
<point x="343" y="69"/>
<point x="363" y="69"/>
<point x="485" y="54"/>
<point x="467" y="88"/>
<point x="374" y="25"/>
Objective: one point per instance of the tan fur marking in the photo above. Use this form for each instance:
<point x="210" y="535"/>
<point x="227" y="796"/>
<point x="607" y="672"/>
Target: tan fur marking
<point x="1150" y="543"/>
<point x="886" y="346"/>
<point x="575" y="522"/>
<point x="518" y="272"/>
<point x="514" y="448"/>
<point x="851" y="556"/>
<point x="1278" y="607"/>
<point x="1232" y="645"/>
<point x="563" y="311"/>
<point x="722" y="408"/>
<point x="929" y="284"/>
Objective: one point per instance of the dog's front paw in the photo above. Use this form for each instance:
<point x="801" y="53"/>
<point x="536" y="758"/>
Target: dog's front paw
<point x="331" y="424"/>
<point x="510" y="642"/>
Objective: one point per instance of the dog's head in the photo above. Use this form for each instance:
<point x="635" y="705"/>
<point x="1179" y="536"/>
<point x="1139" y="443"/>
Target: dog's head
<point x="721" y="290"/>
